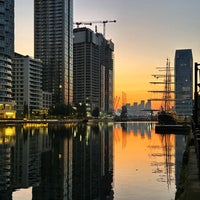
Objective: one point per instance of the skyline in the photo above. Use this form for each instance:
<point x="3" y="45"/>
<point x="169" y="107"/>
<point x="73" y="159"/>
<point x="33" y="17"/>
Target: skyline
<point x="147" y="34"/>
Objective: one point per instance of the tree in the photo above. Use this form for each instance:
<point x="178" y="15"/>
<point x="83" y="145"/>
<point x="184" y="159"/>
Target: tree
<point x="81" y="109"/>
<point x="124" y="112"/>
<point x="69" y="109"/>
<point x="25" y="111"/>
<point x="59" y="109"/>
<point x="95" y="112"/>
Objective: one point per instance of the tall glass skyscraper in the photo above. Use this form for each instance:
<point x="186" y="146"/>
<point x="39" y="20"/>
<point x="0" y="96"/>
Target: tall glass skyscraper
<point x="183" y="82"/>
<point x="53" y="44"/>
<point x="6" y="53"/>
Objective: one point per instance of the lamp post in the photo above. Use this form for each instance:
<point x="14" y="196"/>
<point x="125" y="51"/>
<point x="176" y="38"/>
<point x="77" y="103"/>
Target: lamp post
<point x="196" y="95"/>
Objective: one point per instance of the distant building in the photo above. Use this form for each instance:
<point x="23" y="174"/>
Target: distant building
<point x="53" y="44"/>
<point x="141" y="109"/>
<point x="27" y="84"/>
<point x="148" y="105"/>
<point x="6" y="53"/>
<point x="93" y="70"/>
<point x="183" y="81"/>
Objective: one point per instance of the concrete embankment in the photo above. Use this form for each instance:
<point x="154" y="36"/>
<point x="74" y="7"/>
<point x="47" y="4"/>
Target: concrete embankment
<point x="40" y="121"/>
<point x="189" y="184"/>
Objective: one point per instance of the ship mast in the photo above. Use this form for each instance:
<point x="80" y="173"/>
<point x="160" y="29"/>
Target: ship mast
<point x="167" y="90"/>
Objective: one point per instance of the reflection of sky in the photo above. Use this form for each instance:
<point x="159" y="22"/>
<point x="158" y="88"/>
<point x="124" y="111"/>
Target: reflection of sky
<point x="24" y="194"/>
<point x="143" y="166"/>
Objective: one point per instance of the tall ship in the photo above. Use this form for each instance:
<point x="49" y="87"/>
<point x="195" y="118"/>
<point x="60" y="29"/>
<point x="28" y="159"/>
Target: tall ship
<point x="166" y="115"/>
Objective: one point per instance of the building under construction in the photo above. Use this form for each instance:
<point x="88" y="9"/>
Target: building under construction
<point x="93" y="69"/>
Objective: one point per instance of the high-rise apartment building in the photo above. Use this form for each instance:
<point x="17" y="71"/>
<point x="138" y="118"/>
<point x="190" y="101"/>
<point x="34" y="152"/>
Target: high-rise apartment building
<point x="183" y="70"/>
<point x="6" y="53"/>
<point x="53" y="44"/>
<point x="93" y="69"/>
<point x="27" y="85"/>
<point x="108" y="45"/>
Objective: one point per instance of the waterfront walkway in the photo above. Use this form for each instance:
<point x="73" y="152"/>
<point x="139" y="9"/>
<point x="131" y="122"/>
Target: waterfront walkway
<point x="190" y="183"/>
<point x="39" y="121"/>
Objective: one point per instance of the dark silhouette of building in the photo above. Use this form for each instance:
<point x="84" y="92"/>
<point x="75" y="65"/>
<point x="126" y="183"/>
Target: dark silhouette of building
<point x="183" y="81"/>
<point x="53" y="44"/>
<point x="93" y="69"/>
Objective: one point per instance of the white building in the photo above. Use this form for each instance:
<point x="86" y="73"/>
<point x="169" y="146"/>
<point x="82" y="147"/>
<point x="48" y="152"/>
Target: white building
<point x="27" y="85"/>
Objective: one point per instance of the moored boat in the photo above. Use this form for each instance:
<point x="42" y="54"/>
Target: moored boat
<point x="167" y="117"/>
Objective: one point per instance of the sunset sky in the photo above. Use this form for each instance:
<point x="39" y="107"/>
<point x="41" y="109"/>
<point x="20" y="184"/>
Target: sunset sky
<point x="147" y="32"/>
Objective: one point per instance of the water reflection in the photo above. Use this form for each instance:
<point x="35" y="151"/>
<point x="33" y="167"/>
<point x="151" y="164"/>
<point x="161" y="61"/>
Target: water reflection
<point x="138" y="128"/>
<point x="64" y="162"/>
<point x="164" y="168"/>
<point x="75" y="162"/>
<point x="146" y="162"/>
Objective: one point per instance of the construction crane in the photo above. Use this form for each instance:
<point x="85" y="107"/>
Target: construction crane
<point x="104" y="24"/>
<point x="124" y="99"/>
<point x="82" y="23"/>
<point x="96" y="22"/>
<point x="116" y="102"/>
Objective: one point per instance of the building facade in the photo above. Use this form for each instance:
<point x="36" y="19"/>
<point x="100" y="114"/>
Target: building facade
<point x="93" y="70"/>
<point x="6" y="53"/>
<point x="183" y="71"/>
<point x="107" y="60"/>
<point x="53" y="44"/>
<point x="27" y="85"/>
<point x="47" y="100"/>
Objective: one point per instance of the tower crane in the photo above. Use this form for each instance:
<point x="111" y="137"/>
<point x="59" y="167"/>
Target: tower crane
<point x="82" y="23"/>
<point x="97" y="22"/>
<point x="104" y="24"/>
<point x="116" y="102"/>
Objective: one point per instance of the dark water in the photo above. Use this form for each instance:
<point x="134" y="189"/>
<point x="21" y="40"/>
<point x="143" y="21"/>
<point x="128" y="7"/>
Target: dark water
<point x="121" y="161"/>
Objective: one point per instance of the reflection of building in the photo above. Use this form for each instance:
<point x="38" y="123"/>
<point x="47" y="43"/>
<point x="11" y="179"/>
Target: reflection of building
<point x="138" y="128"/>
<point x="56" y="168"/>
<point x="20" y="149"/>
<point x="63" y="162"/>
<point x="93" y="163"/>
<point x="6" y="53"/>
<point x="27" y="84"/>
<point x="53" y="44"/>
<point x="6" y="165"/>
<point x="93" y="69"/>
<point x="27" y="157"/>
<point x="179" y="151"/>
<point x="183" y="82"/>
